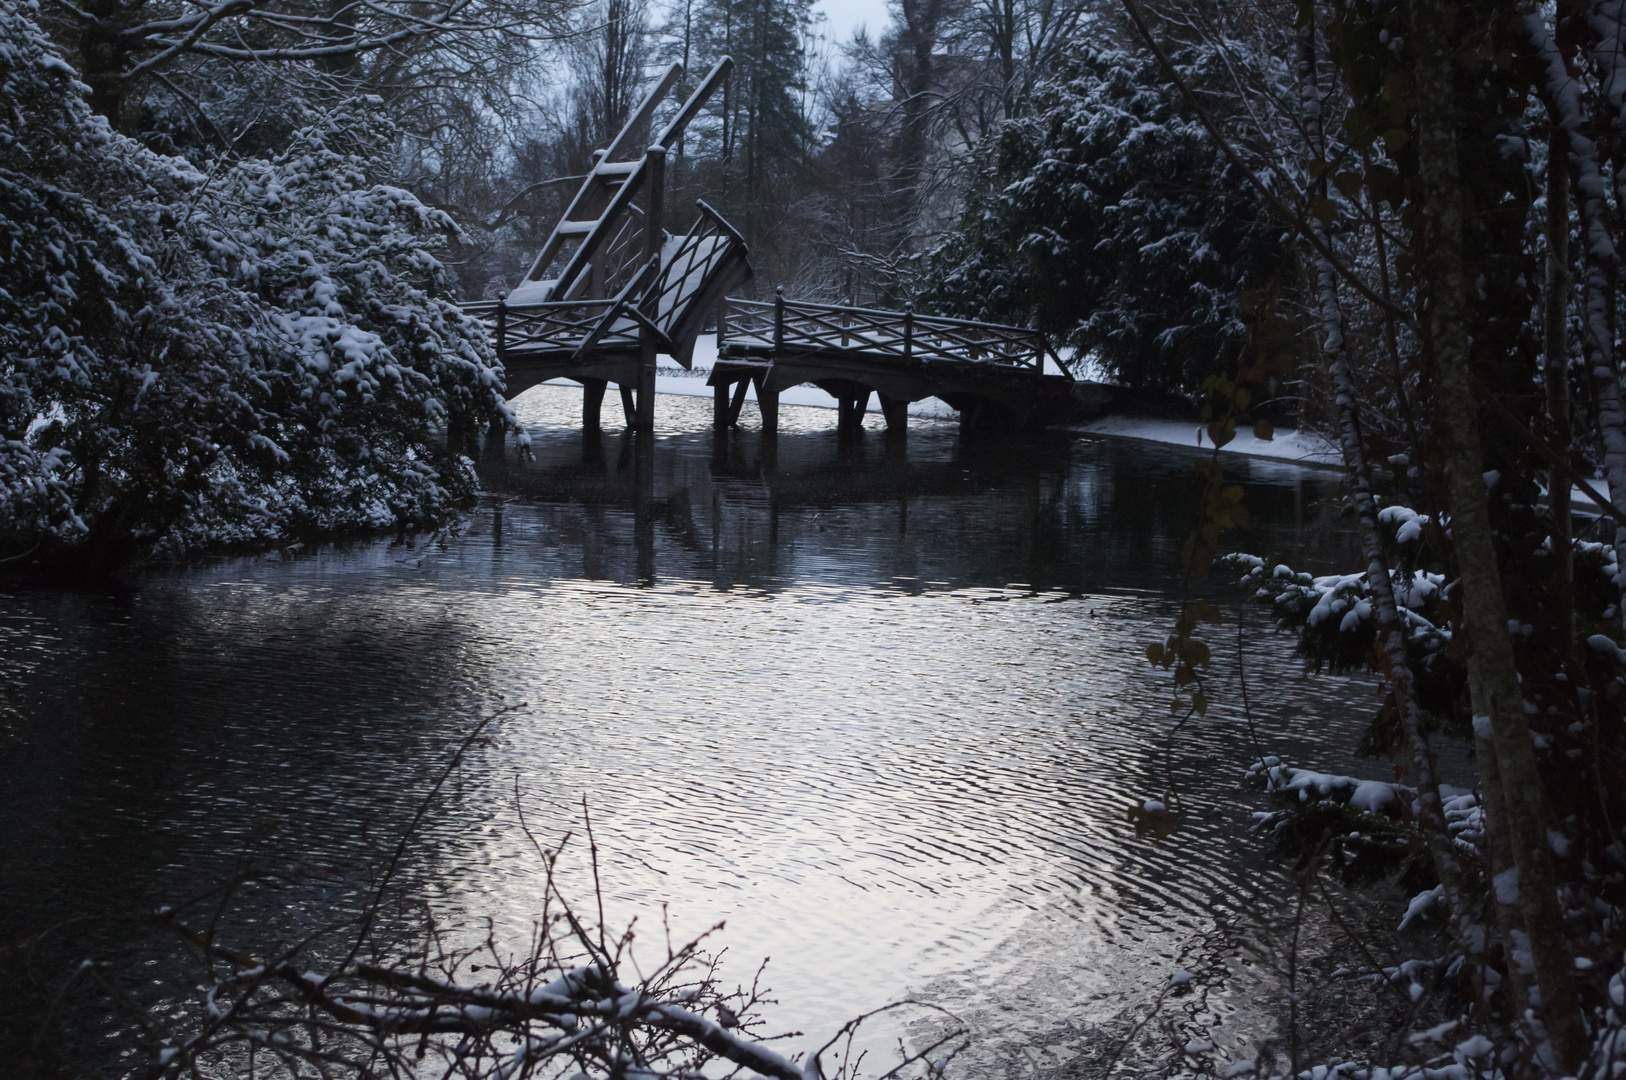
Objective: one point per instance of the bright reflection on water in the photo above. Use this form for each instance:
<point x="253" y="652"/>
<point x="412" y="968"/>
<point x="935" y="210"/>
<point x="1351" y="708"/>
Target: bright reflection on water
<point x="882" y="713"/>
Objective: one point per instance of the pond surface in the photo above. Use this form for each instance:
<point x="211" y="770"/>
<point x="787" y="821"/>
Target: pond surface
<point x="882" y="711"/>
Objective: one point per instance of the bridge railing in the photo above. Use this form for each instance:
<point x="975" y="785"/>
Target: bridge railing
<point x="552" y="327"/>
<point x="797" y="325"/>
<point x="688" y="264"/>
<point x="659" y="293"/>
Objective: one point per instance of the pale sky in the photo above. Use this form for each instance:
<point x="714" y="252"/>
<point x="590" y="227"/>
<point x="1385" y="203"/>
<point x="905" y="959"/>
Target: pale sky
<point x="848" y="15"/>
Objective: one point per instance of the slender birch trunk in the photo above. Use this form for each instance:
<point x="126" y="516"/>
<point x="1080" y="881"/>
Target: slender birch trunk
<point x="1465" y="929"/>
<point x="1492" y="671"/>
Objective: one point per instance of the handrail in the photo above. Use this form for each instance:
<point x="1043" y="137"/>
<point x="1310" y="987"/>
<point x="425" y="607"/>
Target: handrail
<point x="794" y="327"/>
<point x="940" y="319"/>
<point x="739" y="238"/>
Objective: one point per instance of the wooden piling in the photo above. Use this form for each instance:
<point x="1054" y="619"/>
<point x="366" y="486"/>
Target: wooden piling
<point x="768" y="407"/>
<point x="896" y="411"/>
<point x="592" y="403"/>
<point x="720" y="413"/>
<point x="654" y="236"/>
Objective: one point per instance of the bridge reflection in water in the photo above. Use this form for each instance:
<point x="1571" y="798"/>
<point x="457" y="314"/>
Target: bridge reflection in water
<point x="734" y="506"/>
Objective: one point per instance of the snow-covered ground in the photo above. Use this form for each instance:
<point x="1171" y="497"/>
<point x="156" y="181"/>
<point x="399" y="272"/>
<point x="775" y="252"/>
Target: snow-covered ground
<point x="1297" y="447"/>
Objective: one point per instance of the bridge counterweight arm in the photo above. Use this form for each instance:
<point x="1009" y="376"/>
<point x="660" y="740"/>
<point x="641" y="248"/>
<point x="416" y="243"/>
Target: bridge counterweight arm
<point x="593" y="232"/>
<point x="697" y="101"/>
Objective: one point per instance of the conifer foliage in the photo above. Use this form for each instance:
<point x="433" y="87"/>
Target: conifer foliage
<point x="1109" y="219"/>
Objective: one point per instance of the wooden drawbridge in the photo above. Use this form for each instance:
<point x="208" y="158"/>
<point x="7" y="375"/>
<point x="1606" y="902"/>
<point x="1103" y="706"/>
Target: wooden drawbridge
<point x="612" y="291"/>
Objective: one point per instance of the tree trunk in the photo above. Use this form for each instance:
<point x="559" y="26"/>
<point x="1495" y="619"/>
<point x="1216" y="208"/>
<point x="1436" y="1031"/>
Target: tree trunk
<point x="1556" y="347"/>
<point x="103" y="55"/>
<point x="1492" y="670"/>
<point x="1499" y="857"/>
<point x="1465" y="929"/>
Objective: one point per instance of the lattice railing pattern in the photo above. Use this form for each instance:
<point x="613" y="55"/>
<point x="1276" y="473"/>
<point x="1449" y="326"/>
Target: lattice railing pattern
<point x="689" y="263"/>
<point x="789" y="326"/>
<point x="659" y="298"/>
<point x="556" y="327"/>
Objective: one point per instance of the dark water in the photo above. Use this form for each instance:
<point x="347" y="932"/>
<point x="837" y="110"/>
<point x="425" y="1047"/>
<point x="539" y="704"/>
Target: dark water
<point x="883" y="712"/>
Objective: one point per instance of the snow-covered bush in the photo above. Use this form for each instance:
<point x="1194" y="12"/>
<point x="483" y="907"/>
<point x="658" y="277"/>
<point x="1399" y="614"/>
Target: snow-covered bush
<point x="1110" y="219"/>
<point x="198" y="358"/>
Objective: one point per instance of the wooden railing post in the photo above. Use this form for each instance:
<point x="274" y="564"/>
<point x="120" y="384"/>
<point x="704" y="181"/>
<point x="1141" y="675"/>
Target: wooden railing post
<point x="778" y="316"/>
<point x="722" y="323"/>
<point x="846" y="320"/>
<point x="909" y="331"/>
<point x="654" y="236"/>
<point x="502" y="328"/>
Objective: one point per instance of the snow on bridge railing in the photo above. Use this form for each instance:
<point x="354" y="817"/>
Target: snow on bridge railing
<point x="556" y="326"/>
<point x="802" y="326"/>
<point x="659" y="293"/>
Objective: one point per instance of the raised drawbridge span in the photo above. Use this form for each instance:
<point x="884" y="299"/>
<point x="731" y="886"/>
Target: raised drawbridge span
<point x="612" y="291"/>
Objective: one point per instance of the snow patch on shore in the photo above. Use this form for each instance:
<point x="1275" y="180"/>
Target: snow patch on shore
<point x="1296" y="447"/>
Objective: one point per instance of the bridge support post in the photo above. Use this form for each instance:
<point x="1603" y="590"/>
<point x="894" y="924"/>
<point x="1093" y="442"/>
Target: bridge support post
<point x="969" y="416"/>
<point x="768" y="405"/>
<point x="628" y="407"/>
<point x="646" y="390"/>
<point x="592" y="403"/>
<point x="850" y="412"/>
<point x="896" y="411"/>
<point x="739" y="401"/>
<point x="721" y="414"/>
<point x="654" y="236"/>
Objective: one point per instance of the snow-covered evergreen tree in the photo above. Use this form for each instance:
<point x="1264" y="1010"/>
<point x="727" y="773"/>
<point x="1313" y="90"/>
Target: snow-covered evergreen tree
<point x="1109" y="219"/>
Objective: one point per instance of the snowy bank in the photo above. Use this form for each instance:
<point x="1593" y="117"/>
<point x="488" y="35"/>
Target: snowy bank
<point x="1294" y="447"/>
